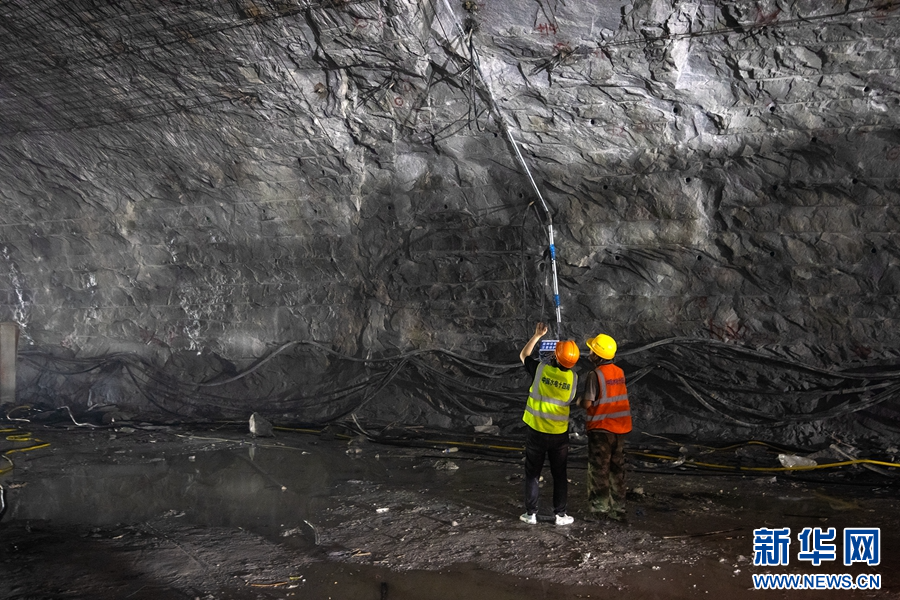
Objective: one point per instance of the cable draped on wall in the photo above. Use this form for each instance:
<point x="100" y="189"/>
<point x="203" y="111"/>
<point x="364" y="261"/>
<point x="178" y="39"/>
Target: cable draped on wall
<point x="747" y="389"/>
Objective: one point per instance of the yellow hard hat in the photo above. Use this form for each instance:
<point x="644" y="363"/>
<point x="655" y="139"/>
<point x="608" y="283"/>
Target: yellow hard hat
<point x="567" y="353"/>
<point x="603" y="346"/>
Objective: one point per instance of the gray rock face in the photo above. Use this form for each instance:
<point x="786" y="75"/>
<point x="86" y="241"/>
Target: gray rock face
<point x="188" y="186"/>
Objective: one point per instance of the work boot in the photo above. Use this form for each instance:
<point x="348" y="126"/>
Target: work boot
<point x="618" y="515"/>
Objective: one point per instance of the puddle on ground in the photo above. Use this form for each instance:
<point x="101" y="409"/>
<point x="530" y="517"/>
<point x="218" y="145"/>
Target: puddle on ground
<point x="268" y="491"/>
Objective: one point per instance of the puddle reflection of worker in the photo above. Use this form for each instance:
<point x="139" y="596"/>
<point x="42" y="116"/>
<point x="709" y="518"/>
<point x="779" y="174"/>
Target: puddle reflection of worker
<point x="547" y="416"/>
<point x="608" y="418"/>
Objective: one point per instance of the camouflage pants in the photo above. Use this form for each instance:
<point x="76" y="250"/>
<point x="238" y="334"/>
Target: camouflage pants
<point x="606" y="472"/>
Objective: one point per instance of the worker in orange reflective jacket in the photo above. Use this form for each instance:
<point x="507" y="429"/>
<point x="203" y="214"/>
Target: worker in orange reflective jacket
<point x="608" y="418"/>
<point x="547" y="416"/>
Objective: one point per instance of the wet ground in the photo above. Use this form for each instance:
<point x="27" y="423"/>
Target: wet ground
<point x="155" y="512"/>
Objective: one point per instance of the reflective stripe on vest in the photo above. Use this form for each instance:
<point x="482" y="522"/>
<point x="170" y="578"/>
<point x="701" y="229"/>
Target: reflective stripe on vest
<point x="551" y="393"/>
<point x="615" y="415"/>
<point x="610" y="410"/>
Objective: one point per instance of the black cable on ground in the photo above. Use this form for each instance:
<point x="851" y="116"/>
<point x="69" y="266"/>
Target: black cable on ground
<point x="498" y="449"/>
<point x="679" y="462"/>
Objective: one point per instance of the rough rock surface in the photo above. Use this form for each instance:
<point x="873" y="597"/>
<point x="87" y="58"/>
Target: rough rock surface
<point x="197" y="183"/>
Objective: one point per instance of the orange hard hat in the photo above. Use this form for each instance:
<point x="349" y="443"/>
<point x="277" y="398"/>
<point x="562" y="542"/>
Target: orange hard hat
<point x="567" y="353"/>
<point x="603" y="346"/>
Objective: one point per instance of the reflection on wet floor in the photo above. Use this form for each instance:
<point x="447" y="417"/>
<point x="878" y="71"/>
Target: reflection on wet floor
<point x="199" y="516"/>
<point x="257" y="489"/>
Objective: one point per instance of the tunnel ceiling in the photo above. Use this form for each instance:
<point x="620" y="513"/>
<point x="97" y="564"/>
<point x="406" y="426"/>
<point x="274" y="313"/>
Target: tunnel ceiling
<point x="196" y="185"/>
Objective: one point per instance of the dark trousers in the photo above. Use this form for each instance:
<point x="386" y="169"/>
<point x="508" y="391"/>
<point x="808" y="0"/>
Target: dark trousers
<point x="554" y="446"/>
<point x="606" y="471"/>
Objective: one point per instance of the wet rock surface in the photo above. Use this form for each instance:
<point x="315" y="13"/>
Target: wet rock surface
<point x="213" y="513"/>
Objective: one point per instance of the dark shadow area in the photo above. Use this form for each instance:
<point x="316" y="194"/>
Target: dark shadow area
<point x="138" y="510"/>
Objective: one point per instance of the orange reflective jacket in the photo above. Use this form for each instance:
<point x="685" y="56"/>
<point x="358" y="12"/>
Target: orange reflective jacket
<point x="610" y="409"/>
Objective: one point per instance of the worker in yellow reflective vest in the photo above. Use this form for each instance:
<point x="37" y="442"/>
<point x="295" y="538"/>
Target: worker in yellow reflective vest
<point x="607" y="420"/>
<point x="547" y="416"/>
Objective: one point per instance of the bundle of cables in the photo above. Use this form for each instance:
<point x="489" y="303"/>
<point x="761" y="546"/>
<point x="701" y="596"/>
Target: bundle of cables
<point x="749" y="387"/>
<point x="309" y="383"/>
<point x="304" y="382"/>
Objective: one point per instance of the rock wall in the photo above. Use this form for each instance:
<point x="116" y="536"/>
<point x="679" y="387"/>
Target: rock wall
<point x="219" y="178"/>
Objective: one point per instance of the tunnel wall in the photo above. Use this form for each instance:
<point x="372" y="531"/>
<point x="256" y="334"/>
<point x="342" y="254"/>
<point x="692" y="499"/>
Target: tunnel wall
<point x="219" y="179"/>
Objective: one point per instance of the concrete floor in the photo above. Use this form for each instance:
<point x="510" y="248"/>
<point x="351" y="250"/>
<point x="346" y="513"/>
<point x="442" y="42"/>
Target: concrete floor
<point x="142" y="511"/>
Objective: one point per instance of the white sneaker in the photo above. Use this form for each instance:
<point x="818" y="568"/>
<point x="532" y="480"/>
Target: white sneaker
<point x="564" y="519"/>
<point x="529" y="518"/>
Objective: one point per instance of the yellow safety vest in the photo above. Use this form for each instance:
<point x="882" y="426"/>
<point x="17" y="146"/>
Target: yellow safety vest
<point x="551" y="393"/>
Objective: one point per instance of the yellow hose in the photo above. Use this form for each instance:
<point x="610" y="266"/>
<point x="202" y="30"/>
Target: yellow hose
<point x="22" y="436"/>
<point x="801" y="468"/>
